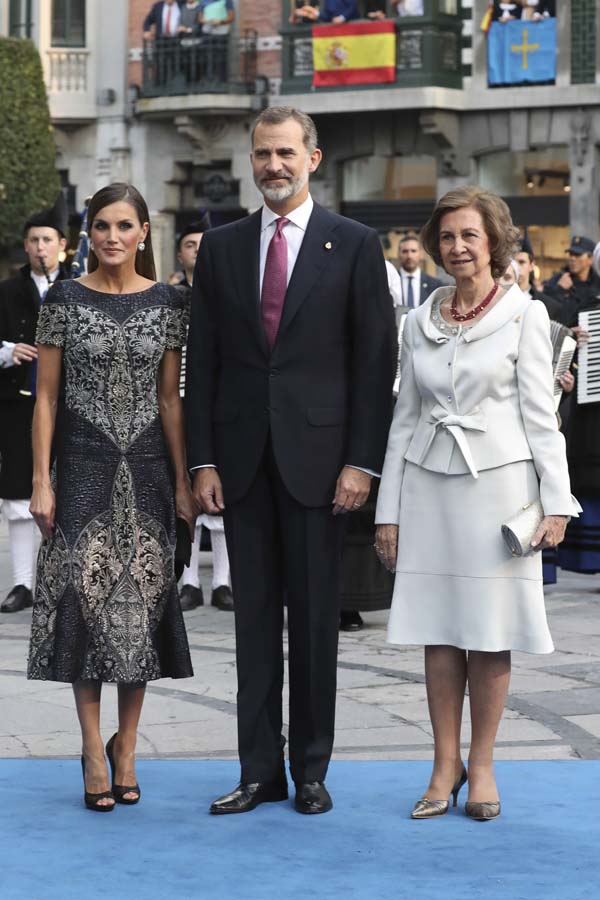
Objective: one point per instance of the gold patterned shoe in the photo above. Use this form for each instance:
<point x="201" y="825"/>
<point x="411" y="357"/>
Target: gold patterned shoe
<point x="488" y="809"/>
<point x="428" y="809"/>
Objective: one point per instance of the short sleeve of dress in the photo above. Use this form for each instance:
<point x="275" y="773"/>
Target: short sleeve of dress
<point x="52" y="319"/>
<point x="177" y="324"/>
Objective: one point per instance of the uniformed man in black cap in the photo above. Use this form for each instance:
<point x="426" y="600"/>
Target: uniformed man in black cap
<point x="577" y="287"/>
<point x="190" y="594"/>
<point x="20" y="299"/>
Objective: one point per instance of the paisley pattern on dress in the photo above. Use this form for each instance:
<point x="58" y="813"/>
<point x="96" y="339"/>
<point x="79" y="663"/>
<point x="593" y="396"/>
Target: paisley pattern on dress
<point x="106" y="605"/>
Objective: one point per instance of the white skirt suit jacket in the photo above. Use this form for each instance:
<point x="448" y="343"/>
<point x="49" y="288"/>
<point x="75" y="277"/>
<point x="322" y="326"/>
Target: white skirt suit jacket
<point x="474" y="437"/>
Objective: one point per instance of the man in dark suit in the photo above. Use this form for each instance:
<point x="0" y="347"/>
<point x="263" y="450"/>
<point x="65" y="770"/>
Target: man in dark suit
<point x="416" y="284"/>
<point x="290" y="364"/>
<point x="163" y="20"/>
<point x="20" y="299"/>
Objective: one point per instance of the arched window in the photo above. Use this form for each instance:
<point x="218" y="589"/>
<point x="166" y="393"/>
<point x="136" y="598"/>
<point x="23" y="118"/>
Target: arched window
<point x="68" y="23"/>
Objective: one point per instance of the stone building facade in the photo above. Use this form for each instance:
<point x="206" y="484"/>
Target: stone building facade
<point x="178" y="127"/>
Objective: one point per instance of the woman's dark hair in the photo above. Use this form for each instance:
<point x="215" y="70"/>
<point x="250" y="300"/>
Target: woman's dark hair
<point x="117" y="193"/>
<point x="497" y="222"/>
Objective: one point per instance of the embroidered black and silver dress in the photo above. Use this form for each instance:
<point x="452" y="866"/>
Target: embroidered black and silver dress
<point x="106" y="605"/>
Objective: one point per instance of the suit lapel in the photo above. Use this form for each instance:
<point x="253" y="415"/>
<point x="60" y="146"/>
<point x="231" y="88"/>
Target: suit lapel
<point x="245" y="266"/>
<point x="317" y="250"/>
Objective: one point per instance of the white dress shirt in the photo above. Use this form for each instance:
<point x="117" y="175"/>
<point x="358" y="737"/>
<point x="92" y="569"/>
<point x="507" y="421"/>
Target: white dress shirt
<point x="394" y="283"/>
<point x="174" y="20"/>
<point x="416" y="287"/>
<point x="6" y="350"/>
<point x="293" y="232"/>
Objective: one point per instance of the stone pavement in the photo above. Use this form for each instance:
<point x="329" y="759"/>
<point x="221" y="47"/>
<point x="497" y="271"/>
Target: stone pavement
<point x="553" y="709"/>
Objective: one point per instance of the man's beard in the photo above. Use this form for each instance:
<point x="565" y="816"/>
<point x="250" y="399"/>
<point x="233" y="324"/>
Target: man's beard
<point x="292" y="187"/>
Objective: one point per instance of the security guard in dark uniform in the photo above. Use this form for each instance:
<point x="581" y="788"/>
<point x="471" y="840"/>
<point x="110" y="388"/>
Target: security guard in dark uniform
<point x="20" y="300"/>
<point x="577" y="287"/>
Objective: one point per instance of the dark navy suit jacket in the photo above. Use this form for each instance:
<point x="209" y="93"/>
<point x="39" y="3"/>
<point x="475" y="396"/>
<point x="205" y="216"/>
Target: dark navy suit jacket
<point x="325" y="391"/>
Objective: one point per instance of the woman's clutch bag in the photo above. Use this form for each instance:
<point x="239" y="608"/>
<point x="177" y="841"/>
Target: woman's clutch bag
<point x="519" y="530"/>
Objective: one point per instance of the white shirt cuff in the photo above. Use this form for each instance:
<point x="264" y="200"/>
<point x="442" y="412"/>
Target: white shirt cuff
<point x="368" y="471"/>
<point x="6" y="357"/>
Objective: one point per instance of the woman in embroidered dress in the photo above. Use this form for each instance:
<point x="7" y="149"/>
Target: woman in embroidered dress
<point x="106" y="605"/>
<point x="474" y="438"/>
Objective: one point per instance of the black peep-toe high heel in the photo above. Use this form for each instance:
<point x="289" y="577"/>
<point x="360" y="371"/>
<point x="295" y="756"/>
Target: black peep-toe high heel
<point x="119" y="790"/>
<point x="92" y="800"/>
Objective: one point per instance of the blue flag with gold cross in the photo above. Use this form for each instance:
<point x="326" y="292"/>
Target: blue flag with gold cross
<point x="522" y="52"/>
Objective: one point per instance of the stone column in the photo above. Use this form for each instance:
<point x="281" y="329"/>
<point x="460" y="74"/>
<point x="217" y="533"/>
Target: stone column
<point x="584" y="163"/>
<point x="163" y="243"/>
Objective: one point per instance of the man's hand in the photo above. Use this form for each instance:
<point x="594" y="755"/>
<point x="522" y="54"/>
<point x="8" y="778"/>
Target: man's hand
<point x="550" y="533"/>
<point x="208" y="491"/>
<point x="351" y="490"/>
<point x="581" y="335"/>
<point x="386" y="545"/>
<point x="565" y="281"/>
<point x="567" y="382"/>
<point x="23" y="353"/>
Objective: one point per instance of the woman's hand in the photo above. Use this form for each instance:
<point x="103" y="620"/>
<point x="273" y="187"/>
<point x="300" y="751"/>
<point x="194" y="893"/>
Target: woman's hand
<point x="43" y="508"/>
<point x="550" y="533"/>
<point x="386" y="545"/>
<point x="185" y="505"/>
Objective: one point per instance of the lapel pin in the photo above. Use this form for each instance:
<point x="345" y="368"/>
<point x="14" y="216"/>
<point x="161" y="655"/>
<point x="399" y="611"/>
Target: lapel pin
<point x="328" y="245"/>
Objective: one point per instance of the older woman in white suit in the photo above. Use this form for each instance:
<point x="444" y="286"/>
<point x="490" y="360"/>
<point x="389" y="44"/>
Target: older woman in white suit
<point x="474" y="438"/>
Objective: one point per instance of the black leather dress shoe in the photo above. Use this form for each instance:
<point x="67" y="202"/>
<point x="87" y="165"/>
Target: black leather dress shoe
<point x="248" y="796"/>
<point x="222" y="598"/>
<point x="190" y="597"/>
<point x="351" y="621"/>
<point x="312" y="798"/>
<point x="19" y="598"/>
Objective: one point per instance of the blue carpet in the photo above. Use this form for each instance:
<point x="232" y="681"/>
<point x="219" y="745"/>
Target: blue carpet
<point x="544" y="847"/>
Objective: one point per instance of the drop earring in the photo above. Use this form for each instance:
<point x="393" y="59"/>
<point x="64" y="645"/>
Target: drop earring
<point x="141" y="246"/>
<point x="91" y="245"/>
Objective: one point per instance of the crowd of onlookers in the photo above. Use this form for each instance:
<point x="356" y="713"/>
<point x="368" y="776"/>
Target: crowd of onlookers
<point x="534" y="10"/>
<point x="192" y="18"/>
<point x="195" y="18"/>
<point x="336" y="12"/>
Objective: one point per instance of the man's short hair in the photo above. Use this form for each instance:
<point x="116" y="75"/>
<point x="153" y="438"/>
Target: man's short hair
<point x="276" y="115"/>
<point x="409" y="236"/>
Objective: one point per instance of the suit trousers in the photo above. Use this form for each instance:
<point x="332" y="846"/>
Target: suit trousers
<point x="284" y="553"/>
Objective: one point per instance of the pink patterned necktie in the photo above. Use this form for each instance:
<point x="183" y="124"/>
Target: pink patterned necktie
<point x="274" y="283"/>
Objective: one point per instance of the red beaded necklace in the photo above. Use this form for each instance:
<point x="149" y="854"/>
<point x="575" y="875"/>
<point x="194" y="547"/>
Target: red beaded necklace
<point x="459" y="317"/>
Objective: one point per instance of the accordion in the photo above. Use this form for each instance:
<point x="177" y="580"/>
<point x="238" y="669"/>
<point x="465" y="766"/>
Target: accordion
<point x="563" y="351"/>
<point x="588" y="374"/>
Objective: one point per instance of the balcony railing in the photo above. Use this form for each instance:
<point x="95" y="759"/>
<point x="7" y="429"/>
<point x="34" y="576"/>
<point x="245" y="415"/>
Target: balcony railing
<point x="69" y="75"/>
<point x="68" y="70"/>
<point x="206" y="64"/>
<point x="428" y="52"/>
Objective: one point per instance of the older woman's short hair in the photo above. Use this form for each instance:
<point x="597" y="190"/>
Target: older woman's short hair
<point x="498" y="225"/>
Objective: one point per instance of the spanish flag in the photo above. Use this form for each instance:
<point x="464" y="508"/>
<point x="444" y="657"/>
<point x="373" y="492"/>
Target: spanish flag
<point x="354" y="53"/>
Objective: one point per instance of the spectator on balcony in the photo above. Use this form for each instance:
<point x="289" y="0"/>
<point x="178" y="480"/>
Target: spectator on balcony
<point x="190" y="17"/>
<point x="374" y="10"/>
<point x="163" y="20"/>
<point x="215" y="18"/>
<point x="534" y="10"/>
<point x="305" y="12"/>
<point x="409" y="7"/>
<point x="339" y="11"/>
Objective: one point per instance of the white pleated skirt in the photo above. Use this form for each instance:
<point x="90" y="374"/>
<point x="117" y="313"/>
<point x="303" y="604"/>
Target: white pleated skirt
<point x="456" y="581"/>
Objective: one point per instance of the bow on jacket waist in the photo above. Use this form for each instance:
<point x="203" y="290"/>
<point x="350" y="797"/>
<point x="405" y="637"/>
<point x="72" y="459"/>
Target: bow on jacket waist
<point x="456" y="425"/>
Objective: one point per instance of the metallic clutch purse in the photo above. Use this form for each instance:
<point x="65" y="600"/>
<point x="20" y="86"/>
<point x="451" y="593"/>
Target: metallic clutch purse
<point x="518" y="532"/>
